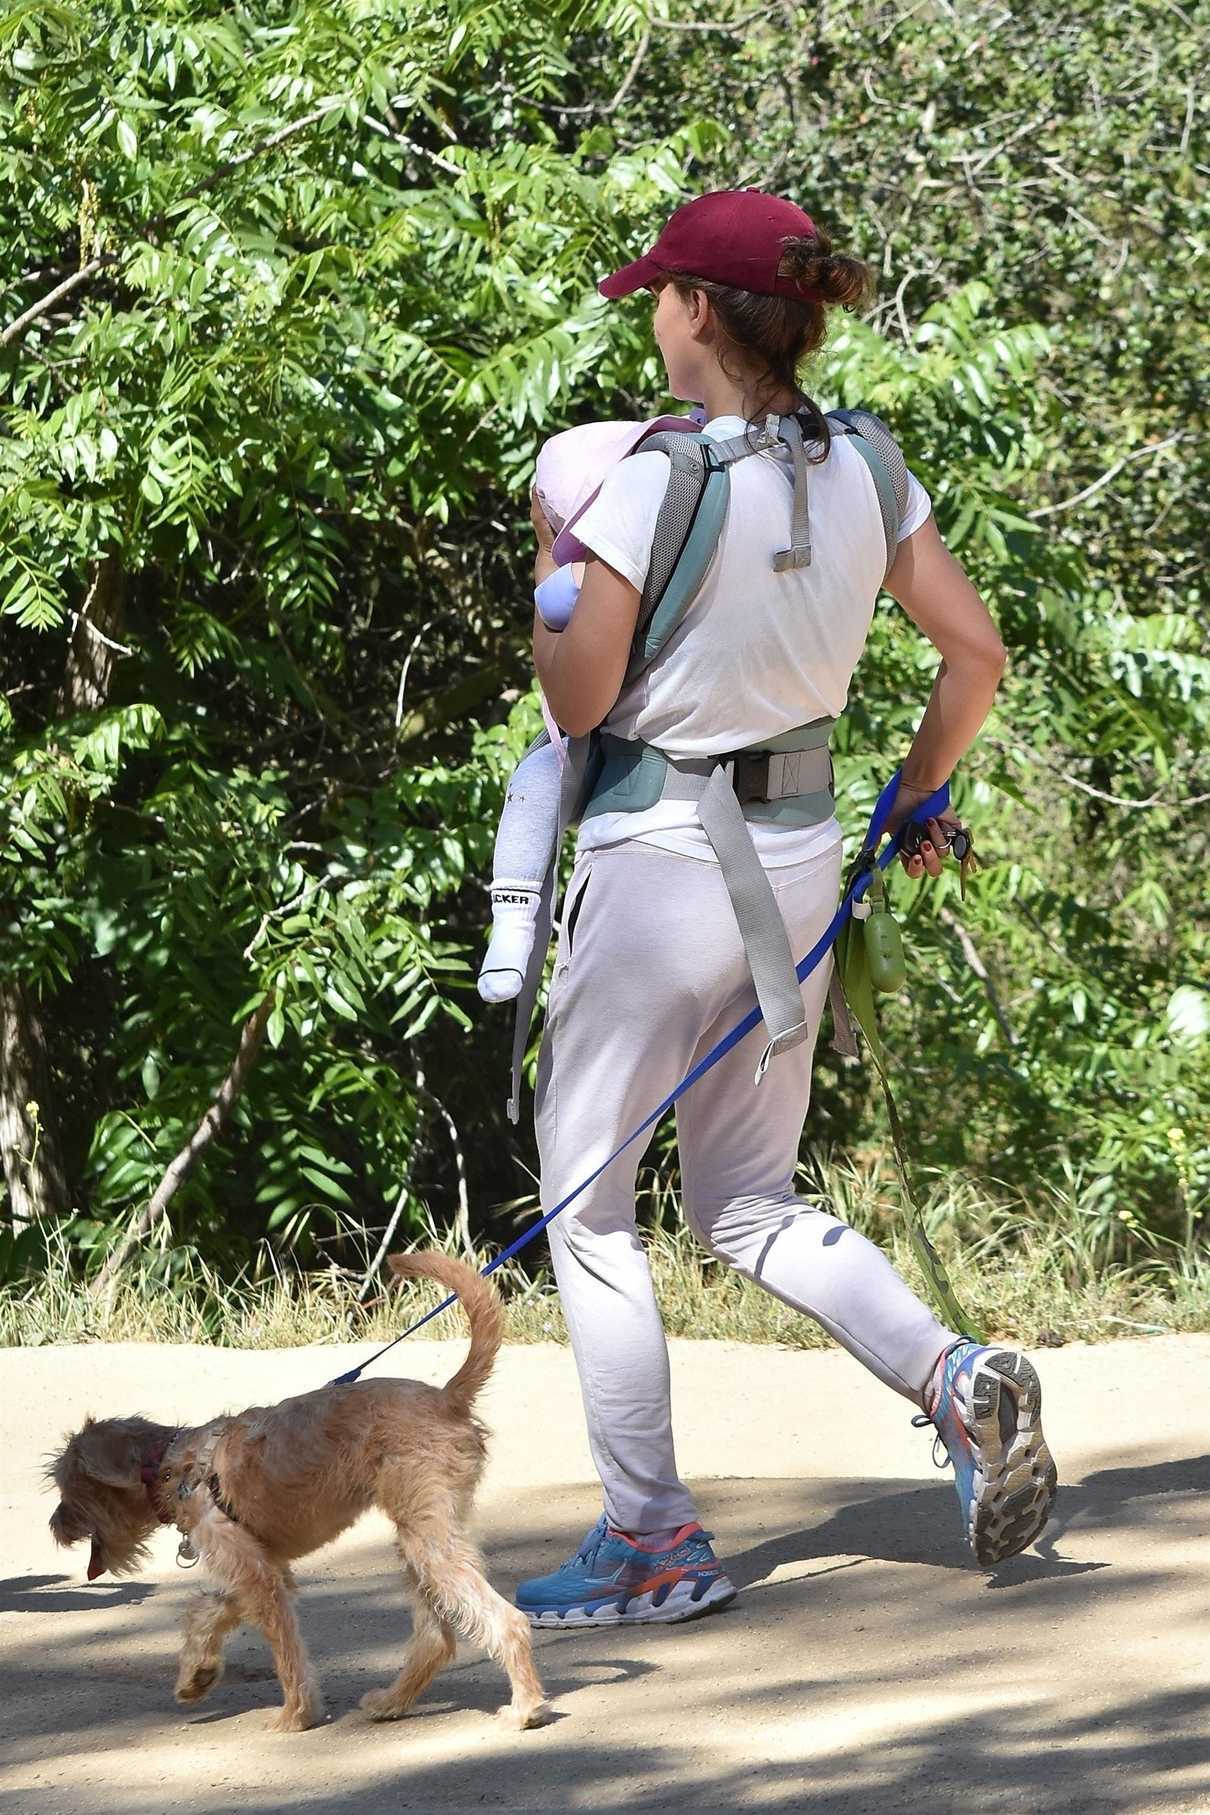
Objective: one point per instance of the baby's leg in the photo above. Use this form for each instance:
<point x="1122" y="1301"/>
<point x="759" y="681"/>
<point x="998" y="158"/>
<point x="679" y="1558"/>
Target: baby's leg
<point x="525" y="848"/>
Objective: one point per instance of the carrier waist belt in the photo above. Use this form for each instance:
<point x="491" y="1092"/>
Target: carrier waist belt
<point x="784" y="781"/>
<point x="787" y="781"/>
<point x="800" y="780"/>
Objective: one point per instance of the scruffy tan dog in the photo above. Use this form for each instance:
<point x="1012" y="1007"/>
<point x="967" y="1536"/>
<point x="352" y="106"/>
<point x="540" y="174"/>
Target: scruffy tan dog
<point x="252" y="1493"/>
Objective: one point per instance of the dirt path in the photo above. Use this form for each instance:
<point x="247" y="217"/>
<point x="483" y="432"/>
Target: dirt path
<point x="865" y="1666"/>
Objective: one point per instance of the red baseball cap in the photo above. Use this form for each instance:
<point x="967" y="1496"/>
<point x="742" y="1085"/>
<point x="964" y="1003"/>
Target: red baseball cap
<point x="731" y="236"/>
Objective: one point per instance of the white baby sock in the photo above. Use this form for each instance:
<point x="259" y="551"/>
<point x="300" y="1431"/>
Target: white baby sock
<point x="514" y="912"/>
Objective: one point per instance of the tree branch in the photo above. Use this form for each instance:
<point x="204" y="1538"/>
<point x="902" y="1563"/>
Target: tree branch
<point x="1138" y="453"/>
<point x="207" y="1130"/>
<point x="1120" y="800"/>
<point x="31" y="1156"/>
<point x="1114" y="800"/>
<point x="407" y="663"/>
<point x="606" y="106"/>
<point x="463" y="1219"/>
<point x="441" y="709"/>
<point x="977" y="965"/>
<point x="714" y="25"/>
<point x="88" y="670"/>
<point x="155" y="221"/>
<point x="392" y="130"/>
<point x="405" y="1191"/>
<point x="90" y="627"/>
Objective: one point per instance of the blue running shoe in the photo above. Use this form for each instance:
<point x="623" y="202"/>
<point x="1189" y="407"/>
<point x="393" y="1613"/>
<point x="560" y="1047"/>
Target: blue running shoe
<point x="988" y="1416"/>
<point x="615" y="1581"/>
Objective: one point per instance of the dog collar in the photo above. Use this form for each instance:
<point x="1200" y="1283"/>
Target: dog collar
<point x="224" y="1505"/>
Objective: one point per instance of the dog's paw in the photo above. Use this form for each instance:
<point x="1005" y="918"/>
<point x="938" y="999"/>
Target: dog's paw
<point x="383" y="1704"/>
<point x="297" y="1717"/>
<point x="535" y="1714"/>
<point x="192" y="1688"/>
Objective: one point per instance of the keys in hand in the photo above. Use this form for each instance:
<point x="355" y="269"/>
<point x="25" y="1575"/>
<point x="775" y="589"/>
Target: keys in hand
<point x="923" y="848"/>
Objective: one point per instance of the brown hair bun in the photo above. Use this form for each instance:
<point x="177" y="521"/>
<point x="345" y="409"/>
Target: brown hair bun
<point x="834" y="278"/>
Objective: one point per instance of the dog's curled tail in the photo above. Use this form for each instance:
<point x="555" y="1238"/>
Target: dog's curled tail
<point x="484" y="1311"/>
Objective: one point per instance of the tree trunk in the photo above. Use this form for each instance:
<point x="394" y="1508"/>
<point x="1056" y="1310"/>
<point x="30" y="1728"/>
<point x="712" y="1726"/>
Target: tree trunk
<point x="29" y="1148"/>
<point x="90" y="657"/>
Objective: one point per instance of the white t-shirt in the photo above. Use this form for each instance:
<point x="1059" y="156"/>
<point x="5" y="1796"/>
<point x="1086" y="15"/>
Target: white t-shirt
<point x="757" y="652"/>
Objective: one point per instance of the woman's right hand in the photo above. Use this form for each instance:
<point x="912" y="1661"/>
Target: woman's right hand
<point x="935" y="848"/>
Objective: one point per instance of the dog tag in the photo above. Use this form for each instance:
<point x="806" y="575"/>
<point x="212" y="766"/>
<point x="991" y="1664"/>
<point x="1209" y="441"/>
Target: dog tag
<point x="186" y="1555"/>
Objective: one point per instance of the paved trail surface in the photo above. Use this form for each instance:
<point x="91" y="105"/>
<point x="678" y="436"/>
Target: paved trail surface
<point x="866" y="1666"/>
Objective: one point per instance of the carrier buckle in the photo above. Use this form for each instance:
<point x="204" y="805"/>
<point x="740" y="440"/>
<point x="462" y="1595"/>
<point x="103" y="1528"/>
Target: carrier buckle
<point x="767" y="775"/>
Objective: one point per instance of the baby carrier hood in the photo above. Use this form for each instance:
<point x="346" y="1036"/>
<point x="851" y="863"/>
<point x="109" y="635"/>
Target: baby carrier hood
<point x="572" y="465"/>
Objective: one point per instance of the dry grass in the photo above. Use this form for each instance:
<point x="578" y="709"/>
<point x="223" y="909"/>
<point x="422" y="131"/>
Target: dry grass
<point x="1040" y="1275"/>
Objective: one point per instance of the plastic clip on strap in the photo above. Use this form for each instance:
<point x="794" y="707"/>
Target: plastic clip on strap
<point x="859" y="878"/>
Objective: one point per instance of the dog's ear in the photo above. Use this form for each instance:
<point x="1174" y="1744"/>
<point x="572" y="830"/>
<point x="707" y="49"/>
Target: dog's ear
<point x="110" y="1453"/>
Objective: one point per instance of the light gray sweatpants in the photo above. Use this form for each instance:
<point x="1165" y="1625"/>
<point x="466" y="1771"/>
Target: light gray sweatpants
<point x="649" y="974"/>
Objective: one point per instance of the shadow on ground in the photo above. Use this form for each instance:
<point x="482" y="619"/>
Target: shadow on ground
<point x="866" y="1665"/>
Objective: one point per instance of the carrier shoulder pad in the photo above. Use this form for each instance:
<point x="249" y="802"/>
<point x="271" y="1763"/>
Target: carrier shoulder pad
<point x="888" y="469"/>
<point x="689" y="471"/>
<point x="874" y="430"/>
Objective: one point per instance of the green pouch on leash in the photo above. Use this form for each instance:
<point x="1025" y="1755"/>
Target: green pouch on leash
<point x="882" y="939"/>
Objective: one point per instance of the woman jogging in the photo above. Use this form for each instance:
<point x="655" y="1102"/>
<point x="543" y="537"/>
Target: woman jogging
<point x="650" y="965"/>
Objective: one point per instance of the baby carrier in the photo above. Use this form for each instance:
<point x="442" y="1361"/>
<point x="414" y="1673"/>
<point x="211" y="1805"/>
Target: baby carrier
<point x="787" y="780"/>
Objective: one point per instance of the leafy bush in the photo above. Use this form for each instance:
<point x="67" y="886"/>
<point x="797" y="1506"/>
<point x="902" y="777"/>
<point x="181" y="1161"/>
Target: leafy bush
<point x="290" y="301"/>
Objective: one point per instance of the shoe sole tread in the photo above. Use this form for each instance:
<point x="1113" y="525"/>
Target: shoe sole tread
<point x="1012" y="1500"/>
<point x="640" y="1609"/>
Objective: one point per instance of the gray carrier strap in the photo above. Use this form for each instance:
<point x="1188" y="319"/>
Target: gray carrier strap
<point x="710" y="782"/>
<point x="776" y="429"/>
<point x="571" y="803"/>
<point x="766" y="945"/>
<point x="799" y="552"/>
<point x="684" y="540"/>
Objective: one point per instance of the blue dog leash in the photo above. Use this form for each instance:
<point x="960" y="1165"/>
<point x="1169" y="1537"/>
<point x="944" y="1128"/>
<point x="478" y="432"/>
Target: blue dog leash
<point x="865" y="864"/>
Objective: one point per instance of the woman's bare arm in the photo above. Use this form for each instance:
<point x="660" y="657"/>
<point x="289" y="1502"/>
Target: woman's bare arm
<point x="581" y="668"/>
<point x="934" y="590"/>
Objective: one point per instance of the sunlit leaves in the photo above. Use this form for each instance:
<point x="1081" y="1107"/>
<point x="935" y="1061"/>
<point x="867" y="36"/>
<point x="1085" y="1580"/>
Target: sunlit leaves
<point x="352" y="258"/>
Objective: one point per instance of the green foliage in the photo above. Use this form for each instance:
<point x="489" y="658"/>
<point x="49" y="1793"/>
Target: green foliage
<point x="1034" y="1269"/>
<point x="290" y="296"/>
